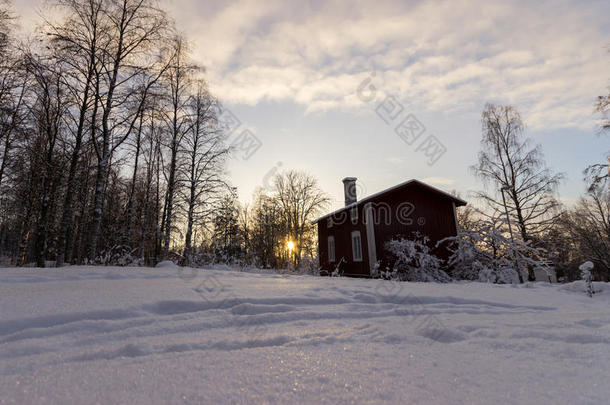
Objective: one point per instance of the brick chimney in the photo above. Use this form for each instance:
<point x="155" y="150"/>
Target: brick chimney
<point x="349" y="187"/>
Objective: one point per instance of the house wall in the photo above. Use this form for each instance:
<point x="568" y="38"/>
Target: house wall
<point x="398" y="213"/>
<point x="414" y="211"/>
<point x="342" y="229"/>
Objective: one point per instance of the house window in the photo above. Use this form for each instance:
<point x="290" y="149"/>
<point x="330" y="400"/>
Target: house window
<point x="357" y="246"/>
<point x="331" y="249"/>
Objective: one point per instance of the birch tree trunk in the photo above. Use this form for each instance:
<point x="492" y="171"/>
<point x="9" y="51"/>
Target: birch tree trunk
<point x="85" y="34"/>
<point x="139" y="28"/>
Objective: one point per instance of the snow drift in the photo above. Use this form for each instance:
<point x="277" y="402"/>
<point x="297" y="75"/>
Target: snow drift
<point x="169" y="335"/>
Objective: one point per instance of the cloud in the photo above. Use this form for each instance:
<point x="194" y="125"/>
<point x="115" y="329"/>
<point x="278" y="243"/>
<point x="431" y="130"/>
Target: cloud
<point x="546" y="58"/>
<point x="394" y="160"/>
<point x="439" y="181"/>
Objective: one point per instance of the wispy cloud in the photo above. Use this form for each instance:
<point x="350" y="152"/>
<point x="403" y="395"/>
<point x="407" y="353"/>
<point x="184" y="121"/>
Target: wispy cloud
<point x="442" y="182"/>
<point x="547" y="58"/>
<point x="394" y="160"/>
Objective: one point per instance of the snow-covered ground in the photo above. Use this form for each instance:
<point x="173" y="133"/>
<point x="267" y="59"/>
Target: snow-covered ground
<point x="167" y="335"/>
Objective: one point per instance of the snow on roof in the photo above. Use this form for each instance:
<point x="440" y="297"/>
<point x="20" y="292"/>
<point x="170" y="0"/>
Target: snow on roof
<point x="458" y="201"/>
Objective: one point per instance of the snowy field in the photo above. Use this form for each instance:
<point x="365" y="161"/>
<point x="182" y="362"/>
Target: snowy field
<point x="88" y="335"/>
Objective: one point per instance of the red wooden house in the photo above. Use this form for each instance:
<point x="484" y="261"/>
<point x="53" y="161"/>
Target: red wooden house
<point x="353" y="238"/>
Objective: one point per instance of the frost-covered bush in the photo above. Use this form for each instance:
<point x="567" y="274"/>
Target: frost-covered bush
<point x="414" y="262"/>
<point x="465" y="261"/>
<point x="487" y="253"/>
<point x="337" y="272"/>
<point x="120" y="255"/>
<point x="585" y="271"/>
<point x="198" y="257"/>
<point x="166" y="264"/>
<point x="481" y="253"/>
<point x="502" y="275"/>
<point x="309" y="265"/>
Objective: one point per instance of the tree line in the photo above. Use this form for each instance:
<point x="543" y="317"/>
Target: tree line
<point x="275" y="231"/>
<point x="110" y="142"/>
<point x="520" y="222"/>
<point x="516" y="229"/>
<point x="112" y="151"/>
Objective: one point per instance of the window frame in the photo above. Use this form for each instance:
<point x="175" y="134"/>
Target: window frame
<point x="331" y="258"/>
<point x="360" y="258"/>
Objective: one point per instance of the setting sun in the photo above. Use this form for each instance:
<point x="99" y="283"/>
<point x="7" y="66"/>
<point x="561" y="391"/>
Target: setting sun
<point x="290" y="245"/>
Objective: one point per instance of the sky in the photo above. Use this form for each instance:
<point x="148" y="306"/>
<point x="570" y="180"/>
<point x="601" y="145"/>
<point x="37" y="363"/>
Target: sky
<point x="387" y="91"/>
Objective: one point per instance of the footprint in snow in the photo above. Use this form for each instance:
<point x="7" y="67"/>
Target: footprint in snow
<point x="443" y="335"/>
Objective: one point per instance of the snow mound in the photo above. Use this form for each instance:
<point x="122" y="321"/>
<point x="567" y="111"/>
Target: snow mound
<point x="166" y="264"/>
<point x="129" y="335"/>
<point x="580" y="287"/>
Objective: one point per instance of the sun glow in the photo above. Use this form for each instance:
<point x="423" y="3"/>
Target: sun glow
<point x="290" y="245"/>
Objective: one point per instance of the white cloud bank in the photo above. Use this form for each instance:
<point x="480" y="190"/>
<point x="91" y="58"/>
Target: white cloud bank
<point x="548" y="59"/>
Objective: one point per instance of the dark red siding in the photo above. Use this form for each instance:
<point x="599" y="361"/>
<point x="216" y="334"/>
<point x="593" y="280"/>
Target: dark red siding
<point x="399" y="213"/>
<point x="342" y="231"/>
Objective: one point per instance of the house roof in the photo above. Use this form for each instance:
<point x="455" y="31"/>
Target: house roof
<point x="458" y="201"/>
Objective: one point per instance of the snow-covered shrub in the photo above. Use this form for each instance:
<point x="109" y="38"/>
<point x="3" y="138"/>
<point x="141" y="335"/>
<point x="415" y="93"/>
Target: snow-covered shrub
<point x="198" y="257"/>
<point x="166" y="264"/>
<point x="486" y="252"/>
<point x="465" y="259"/>
<point x="120" y="255"/>
<point x="414" y="262"/>
<point x="481" y="253"/>
<point x="501" y="275"/>
<point x="585" y="271"/>
<point x="580" y="286"/>
<point x="487" y="276"/>
<point x="337" y="272"/>
<point x="309" y="265"/>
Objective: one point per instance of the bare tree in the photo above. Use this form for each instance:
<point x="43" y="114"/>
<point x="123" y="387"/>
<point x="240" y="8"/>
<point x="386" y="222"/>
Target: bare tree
<point x="300" y="200"/>
<point x="6" y="22"/>
<point x="266" y="232"/>
<point x="48" y="111"/>
<point x="603" y="107"/>
<point x="507" y="161"/>
<point x="143" y="105"/>
<point x="14" y="79"/>
<point x="149" y="232"/>
<point x="76" y="40"/>
<point x="119" y="86"/>
<point x="13" y="86"/>
<point x="226" y="238"/>
<point x="179" y="80"/>
<point x="598" y="174"/>
<point x="245" y="230"/>
<point x="136" y="29"/>
<point x="204" y="168"/>
<point x="589" y="226"/>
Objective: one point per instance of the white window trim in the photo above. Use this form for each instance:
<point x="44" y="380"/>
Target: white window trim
<point x="331" y="252"/>
<point x="354" y="234"/>
<point x="370" y="235"/>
